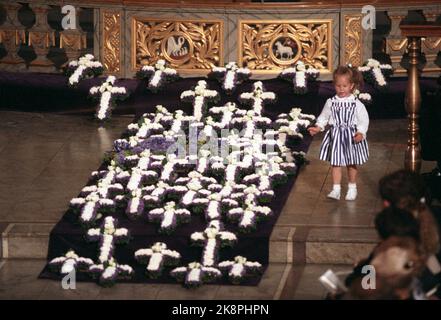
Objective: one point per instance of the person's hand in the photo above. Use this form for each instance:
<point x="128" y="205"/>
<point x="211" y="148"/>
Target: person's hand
<point x="358" y="137"/>
<point x="313" y="130"/>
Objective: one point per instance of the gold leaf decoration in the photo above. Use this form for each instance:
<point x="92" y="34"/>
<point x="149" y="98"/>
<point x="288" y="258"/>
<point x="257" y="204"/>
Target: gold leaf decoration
<point x="185" y="45"/>
<point x="270" y="46"/>
<point x="112" y="41"/>
<point x="353" y="40"/>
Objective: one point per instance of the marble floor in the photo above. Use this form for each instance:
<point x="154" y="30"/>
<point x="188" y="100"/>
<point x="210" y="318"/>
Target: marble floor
<point x="47" y="158"/>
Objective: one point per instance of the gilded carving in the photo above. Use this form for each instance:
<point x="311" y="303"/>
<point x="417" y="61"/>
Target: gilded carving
<point x="185" y="45"/>
<point x="353" y="40"/>
<point x="269" y="46"/>
<point x="41" y="40"/>
<point x="111" y="46"/>
<point x="72" y="41"/>
<point x="430" y="47"/>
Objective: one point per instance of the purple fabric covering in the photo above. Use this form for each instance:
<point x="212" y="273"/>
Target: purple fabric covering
<point x="68" y="234"/>
<point x="43" y="92"/>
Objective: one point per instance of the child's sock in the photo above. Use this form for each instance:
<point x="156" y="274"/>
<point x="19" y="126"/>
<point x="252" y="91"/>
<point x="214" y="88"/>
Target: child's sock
<point x="352" y="191"/>
<point x="335" y="193"/>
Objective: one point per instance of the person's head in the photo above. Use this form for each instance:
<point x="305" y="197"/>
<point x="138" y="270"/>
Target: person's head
<point x="347" y="80"/>
<point x="406" y="190"/>
<point x="396" y="261"/>
<point x="393" y="221"/>
<point x="403" y="189"/>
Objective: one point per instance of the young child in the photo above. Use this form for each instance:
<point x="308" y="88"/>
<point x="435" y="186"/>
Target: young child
<point x="344" y="144"/>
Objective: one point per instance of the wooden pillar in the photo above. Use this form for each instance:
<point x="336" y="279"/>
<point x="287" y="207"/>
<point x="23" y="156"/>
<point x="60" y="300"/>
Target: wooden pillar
<point x="414" y="34"/>
<point x="412" y="158"/>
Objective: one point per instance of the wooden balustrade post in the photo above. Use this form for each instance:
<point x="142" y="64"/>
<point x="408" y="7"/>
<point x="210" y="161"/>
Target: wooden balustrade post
<point x="430" y="46"/>
<point x="41" y="38"/>
<point x="395" y="42"/>
<point x="73" y="41"/>
<point x="12" y="34"/>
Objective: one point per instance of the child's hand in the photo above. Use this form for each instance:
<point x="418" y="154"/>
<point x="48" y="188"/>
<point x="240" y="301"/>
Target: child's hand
<point x="313" y="130"/>
<point x="358" y="137"/>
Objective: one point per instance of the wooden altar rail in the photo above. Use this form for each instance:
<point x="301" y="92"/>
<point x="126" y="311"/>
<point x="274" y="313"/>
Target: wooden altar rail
<point x="113" y="40"/>
<point x="247" y="4"/>
<point x="243" y="4"/>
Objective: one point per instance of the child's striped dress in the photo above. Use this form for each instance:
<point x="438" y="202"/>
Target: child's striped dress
<point x="346" y="116"/>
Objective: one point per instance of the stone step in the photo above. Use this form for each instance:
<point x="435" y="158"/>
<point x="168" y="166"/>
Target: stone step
<point x="19" y="281"/>
<point x="26" y="240"/>
<point x="321" y="245"/>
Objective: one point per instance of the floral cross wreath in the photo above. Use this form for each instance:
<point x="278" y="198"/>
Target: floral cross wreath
<point x="108" y="93"/>
<point x="86" y="66"/>
<point x="376" y="73"/>
<point x="158" y="75"/>
<point x="230" y="76"/>
<point x="300" y="74"/>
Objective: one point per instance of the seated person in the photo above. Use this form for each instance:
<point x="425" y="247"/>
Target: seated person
<point x="397" y="262"/>
<point x="407" y="215"/>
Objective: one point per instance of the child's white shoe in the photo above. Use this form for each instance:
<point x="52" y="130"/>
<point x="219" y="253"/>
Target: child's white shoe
<point x="351" y="195"/>
<point x="335" y="193"/>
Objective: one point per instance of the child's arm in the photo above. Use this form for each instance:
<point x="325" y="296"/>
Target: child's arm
<point x="322" y="119"/>
<point x="362" y="122"/>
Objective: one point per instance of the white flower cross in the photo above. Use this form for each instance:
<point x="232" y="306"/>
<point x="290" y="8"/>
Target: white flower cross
<point x="375" y="72"/>
<point x="195" y="274"/>
<point x="212" y="238"/>
<point x="158" y="75"/>
<point x="239" y="268"/>
<point x="200" y="97"/>
<point x="248" y="214"/>
<point x="169" y="216"/>
<point x="69" y="262"/>
<point x="299" y="75"/>
<point x="108" y="94"/>
<point x="157" y="256"/>
<point x="85" y="65"/>
<point x="230" y="75"/>
<point x="258" y="98"/>
<point x="110" y="271"/>
<point x="109" y="235"/>
<point x="98" y="196"/>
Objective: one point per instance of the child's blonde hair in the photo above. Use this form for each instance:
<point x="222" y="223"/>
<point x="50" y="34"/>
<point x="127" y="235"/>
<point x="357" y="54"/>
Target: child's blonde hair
<point x="354" y="75"/>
